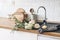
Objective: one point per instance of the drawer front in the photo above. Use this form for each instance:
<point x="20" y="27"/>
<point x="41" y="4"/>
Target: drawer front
<point x="19" y="35"/>
<point x="45" y="37"/>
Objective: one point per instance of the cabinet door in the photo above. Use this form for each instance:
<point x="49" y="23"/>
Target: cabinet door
<point x="5" y="34"/>
<point x="19" y="35"/>
<point x="45" y="37"/>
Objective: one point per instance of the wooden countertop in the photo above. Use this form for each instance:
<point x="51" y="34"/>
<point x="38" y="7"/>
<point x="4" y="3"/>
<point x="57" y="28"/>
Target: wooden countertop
<point x="5" y="21"/>
<point x="34" y="31"/>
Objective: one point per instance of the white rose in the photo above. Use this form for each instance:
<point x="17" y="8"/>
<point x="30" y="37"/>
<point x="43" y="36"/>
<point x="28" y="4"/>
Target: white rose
<point x="26" y="24"/>
<point x="17" y="23"/>
<point x="29" y="26"/>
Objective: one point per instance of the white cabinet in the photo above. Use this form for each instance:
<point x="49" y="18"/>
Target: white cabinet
<point x="6" y="34"/>
<point x="45" y="37"/>
<point x="17" y="35"/>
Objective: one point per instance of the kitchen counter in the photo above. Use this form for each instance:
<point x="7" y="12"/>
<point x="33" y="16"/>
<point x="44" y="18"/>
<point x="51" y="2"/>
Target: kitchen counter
<point x="35" y="31"/>
<point x="5" y="21"/>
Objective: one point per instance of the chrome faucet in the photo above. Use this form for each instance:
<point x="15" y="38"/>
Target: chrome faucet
<point x="44" y="9"/>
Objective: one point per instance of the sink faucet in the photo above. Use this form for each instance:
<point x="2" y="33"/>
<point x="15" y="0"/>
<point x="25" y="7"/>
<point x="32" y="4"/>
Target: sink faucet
<point x="44" y="9"/>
